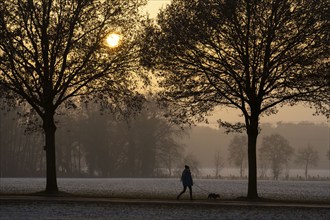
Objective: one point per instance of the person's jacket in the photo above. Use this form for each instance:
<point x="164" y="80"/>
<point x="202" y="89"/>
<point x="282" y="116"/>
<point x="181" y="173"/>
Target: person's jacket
<point x="186" y="178"/>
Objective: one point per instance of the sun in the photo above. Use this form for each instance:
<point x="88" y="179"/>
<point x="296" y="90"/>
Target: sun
<point x="113" y="40"/>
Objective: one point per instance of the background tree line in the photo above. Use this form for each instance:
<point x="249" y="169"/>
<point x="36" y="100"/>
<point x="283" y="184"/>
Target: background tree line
<point x="275" y="155"/>
<point x="99" y="143"/>
<point x="218" y="151"/>
<point x="94" y="143"/>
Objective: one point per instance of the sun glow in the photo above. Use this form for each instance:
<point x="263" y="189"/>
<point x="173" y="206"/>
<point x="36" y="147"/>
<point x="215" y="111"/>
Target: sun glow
<point x="113" y="40"/>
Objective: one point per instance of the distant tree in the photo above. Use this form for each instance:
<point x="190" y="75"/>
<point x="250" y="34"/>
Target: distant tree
<point x="244" y="54"/>
<point x="238" y="152"/>
<point x="219" y="163"/>
<point x="17" y="143"/>
<point x="155" y="139"/>
<point x="169" y="154"/>
<point x="307" y="157"/>
<point x="95" y="134"/>
<point x="69" y="138"/>
<point x="135" y="147"/>
<point x="263" y="166"/>
<point x="52" y="51"/>
<point x="277" y="151"/>
<point x="192" y="162"/>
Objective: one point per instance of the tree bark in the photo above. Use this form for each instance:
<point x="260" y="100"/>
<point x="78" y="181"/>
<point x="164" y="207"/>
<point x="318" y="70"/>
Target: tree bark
<point x="252" y="132"/>
<point x="306" y="168"/>
<point x="50" y="129"/>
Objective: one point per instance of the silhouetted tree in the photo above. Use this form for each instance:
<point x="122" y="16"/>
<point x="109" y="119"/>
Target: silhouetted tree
<point x="17" y="143"/>
<point x="244" y="54"/>
<point x="307" y="157"/>
<point x="69" y="152"/>
<point x="219" y="163"/>
<point x="192" y="162"/>
<point x="102" y="139"/>
<point x="263" y="166"/>
<point x="134" y="147"/>
<point x="169" y="150"/>
<point x="238" y="152"/>
<point x="169" y="154"/>
<point x="277" y="151"/>
<point x="53" y="50"/>
<point x="153" y="140"/>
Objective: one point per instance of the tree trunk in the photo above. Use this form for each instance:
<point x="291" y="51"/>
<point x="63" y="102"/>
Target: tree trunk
<point x="306" y="170"/>
<point x="252" y="132"/>
<point x="241" y="169"/>
<point x="49" y="129"/>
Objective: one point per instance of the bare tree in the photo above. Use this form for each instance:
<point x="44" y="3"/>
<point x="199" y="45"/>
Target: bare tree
<point x="18" y="143"/>
<point x="54" y="50"/>
<point x="277" y="150"/>
<point x="219" y="163"/>
<point x="263" y="166"/>
<point x="169" y="155"/>
<point x="238" y="152"/>
<point x="307" y="157"/>
<point x="135" y="147"/>
<point x="155" y="139"/>
<point x="192" y="162"/>
<point x="244" y="54"/>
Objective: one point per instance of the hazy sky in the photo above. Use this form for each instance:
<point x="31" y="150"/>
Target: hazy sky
<point x="286" y="114"/>
<point x="154" y="5"/>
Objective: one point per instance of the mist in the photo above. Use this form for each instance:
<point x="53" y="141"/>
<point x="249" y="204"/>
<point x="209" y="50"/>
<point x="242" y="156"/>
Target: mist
<point x="92" y="143"/>
<point x="206" y="141"/>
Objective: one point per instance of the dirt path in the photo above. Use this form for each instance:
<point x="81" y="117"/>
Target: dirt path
<point x="27" y="198"/>
<point x="40" y="207"/>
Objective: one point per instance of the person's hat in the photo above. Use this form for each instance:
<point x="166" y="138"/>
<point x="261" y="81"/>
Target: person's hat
<point x="186" y="166"/>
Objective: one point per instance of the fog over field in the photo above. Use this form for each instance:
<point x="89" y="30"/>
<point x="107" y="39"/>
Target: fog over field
<point x="205" y="141"/>
<point x="95" y="144"/>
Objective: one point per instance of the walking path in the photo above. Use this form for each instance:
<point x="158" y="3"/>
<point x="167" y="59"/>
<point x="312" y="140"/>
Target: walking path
<point x="78" y="199"/>
<point x="73" y="207"/>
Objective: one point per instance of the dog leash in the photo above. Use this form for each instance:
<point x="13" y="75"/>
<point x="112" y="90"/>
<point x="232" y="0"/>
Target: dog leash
<point x="202" y="188"/>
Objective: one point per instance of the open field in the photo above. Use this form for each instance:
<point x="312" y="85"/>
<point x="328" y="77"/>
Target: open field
<point x="155" y="199"/>
<point x="163" y="188"/>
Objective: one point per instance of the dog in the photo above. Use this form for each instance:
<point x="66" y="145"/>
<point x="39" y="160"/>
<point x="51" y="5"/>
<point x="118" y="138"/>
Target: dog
<point x="213" y="196"/>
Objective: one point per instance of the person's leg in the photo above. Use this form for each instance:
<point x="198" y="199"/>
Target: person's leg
<point x="190" y="192"/>
<point x="184" y="189"/>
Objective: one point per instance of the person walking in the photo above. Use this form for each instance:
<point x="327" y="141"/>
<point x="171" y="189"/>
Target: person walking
<point x="187" y="181"/>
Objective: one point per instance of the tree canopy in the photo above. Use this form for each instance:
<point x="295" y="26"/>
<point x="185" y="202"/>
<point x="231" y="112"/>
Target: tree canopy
<point x="50" y="50"/>
<point x="242" y="54"/>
